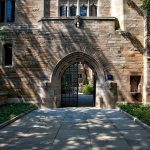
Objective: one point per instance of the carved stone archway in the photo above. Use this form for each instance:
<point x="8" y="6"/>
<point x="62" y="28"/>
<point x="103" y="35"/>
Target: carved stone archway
<point x="104" y="97"/>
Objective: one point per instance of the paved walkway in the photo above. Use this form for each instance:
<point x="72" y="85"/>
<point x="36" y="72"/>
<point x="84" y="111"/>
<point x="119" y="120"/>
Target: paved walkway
<point x="85" y="100"/>
<point x="74" y="129"/>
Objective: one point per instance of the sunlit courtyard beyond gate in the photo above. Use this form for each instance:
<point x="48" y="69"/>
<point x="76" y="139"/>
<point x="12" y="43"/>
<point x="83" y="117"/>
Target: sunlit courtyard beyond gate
<point x="81" y="128"/>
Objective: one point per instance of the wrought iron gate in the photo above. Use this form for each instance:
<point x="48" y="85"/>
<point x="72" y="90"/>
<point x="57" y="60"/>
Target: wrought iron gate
<point x="69" y="87"/>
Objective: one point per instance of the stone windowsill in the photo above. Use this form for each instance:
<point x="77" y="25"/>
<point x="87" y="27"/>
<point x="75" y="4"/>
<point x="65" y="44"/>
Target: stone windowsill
<point x="84" y="18"/>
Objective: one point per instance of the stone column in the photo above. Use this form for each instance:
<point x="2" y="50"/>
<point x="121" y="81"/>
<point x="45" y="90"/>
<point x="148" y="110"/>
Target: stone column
<point x="78" y="8"/>
<point x="145" y="77"/>
<point x="57" y="6"/>
<point x="68" y="9"/>
<point x="98" y="8"/>
<point x="146" y="62"/>
<point x="42" y="9"/>
<point x="88" y="9"/>
<point x="117" y="10"/>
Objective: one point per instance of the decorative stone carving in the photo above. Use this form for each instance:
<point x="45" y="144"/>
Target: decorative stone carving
<point x="78" y="22"/>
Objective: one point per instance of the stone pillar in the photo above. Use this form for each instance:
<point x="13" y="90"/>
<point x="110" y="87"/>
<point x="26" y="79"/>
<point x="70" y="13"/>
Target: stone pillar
<point x="57" y="6"/>
<point x="43" y="8"/>
<point x="145" y="77"/>
<point x="78" y="8"/>
<point x="88" y="9"/>
<point x="68" y="9"/>
<point x="117" y="10"/>
<point x="146" y="62"/>
<point x="98" y="8"/>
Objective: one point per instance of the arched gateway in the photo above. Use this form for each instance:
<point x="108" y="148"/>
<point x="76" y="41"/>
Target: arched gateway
<point x="103" y="95"/>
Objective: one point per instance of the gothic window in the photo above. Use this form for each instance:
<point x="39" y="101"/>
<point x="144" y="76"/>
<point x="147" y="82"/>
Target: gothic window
<point x="7" y="7"/>
<point x="73" y="10"/>
<point x="8" y="54"/>
<point x="2" y="10"/>
<point x="10" y="10"/>
<point x="83" y="11"/>
<point x="77" y="7"/>
<point x="63" y="11"/>
<point x="93" y="10"/>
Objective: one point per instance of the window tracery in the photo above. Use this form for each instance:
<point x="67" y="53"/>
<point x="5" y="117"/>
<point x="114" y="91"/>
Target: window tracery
<point x="7" y="10"/>
<point x="93" y="10"/>
<point x="63" y="10"/>
<point x="83" y="10"/>
<point x="73" y="10"/>
<point x="78" y="7"/>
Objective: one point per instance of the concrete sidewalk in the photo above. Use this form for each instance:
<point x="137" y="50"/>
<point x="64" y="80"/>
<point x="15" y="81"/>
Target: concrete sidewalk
<point x="74" y="129"/>
<point x="85" y="100"/>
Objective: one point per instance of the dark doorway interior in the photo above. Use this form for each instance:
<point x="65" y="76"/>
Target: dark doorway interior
<point x="78" y="86"/>
<point x="135" y="88"/>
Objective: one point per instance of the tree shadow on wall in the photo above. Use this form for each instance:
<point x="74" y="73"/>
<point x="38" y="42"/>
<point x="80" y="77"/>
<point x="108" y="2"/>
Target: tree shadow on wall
<point x="26" y="80"/>
<point x="134" y="6"/>
<point x="85" y="39"/>
<point x="134" y="41"/>
<point x="39" y="50"/>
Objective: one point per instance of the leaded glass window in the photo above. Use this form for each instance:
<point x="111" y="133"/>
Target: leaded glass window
<point x="73" y="10"/>
<point x="83" y="11"/>
<point x="2" y="11"/>
<point x="10" y="10"/>
<point x="77" y="7"/>
<point x="93" y="10"/>
<point x="63" y="11"/>
<point x="7" y="9"/>
<point x="8" y="54"/>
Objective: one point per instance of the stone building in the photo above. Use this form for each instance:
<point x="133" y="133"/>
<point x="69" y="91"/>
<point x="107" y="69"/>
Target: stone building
<point x="42" y="39"/>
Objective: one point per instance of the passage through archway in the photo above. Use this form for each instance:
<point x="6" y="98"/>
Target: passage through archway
<point x="78" y="86"/>
<point x="103" y="97"/>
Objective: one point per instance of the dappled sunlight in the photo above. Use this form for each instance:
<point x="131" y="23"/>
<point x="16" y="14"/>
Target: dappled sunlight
<point x="44" y="46"/>
<point x="101" y="126"/>
<point x="37" y="135"/>
<point x="71" y="128"/>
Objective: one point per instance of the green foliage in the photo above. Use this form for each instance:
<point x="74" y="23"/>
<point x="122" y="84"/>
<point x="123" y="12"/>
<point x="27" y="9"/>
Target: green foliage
<point x="5" y="32"/>
<point x="146" y="5"/>
<point x="4" y="35"/>
<point x="87" y="89"/>
<point x="9" y="111"/>
<point x="140" y="111"/>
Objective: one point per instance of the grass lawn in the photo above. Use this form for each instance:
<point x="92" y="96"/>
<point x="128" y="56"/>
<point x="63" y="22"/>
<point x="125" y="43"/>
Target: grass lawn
<point x="140" y="111"/>
<point x="9" y="111"/>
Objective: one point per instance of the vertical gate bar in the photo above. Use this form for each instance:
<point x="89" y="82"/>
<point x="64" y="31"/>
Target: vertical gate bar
<point x="94" y="92"/>
<point x="69" y="86"/>
<point x="77" y="83"/>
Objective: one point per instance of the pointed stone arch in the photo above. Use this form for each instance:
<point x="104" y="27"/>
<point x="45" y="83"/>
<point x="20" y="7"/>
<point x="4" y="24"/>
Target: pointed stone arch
<point x="104" y="97"/>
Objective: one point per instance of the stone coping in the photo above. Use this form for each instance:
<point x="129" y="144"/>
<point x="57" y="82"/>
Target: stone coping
<point x="2" y="125"/>
<point x="84" y="18"/>
<point x="145" y="126"/>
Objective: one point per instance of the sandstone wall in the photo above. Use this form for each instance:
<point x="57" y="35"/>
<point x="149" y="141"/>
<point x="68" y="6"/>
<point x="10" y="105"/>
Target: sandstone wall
<point x="40" y="45"/>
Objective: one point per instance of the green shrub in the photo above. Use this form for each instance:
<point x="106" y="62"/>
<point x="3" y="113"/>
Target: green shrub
<point x="146" y="5"/>
<point x="9" y="111"/>
<point x="140" y="111"/>
<point x="87" y="89"/>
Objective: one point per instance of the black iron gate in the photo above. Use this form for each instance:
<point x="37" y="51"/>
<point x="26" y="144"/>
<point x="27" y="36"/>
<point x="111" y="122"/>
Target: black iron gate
<point x="69" y="86"/>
